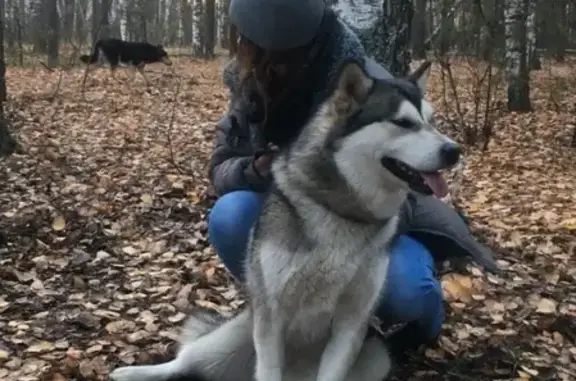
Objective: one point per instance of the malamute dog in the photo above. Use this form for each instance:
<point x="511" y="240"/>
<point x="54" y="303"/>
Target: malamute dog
<point x="317" y="258"/>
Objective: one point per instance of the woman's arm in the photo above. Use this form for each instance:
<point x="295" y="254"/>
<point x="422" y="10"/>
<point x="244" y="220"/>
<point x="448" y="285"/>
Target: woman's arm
<point x="232" y="162"/>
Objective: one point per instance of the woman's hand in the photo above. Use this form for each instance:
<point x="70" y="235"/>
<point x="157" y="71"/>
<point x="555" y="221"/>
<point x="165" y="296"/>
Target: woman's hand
<point x="262" y="163"/>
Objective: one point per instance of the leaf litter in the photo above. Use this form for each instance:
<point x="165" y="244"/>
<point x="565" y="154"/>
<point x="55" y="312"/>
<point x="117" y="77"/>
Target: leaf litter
<point x="103" y="235"/>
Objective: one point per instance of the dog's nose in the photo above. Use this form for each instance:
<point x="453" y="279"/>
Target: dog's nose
<point x="450" y="153"/>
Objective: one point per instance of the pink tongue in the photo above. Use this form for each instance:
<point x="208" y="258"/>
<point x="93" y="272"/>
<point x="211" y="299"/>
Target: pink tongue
<point x="436" y="182"/>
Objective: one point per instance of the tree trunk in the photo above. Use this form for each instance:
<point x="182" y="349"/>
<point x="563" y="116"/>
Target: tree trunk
<point x="533" y="59"/>
<point x="95" y="21"/>
<point x="53" y="37"/>
<point x="419" y="30"/>
<point x="187" y="22"/>
<point x="232" y="40"/>
<point x="447" y="26"/>
<point x="393" y="34"/>
<point x="517" y="72"/>
<point x="68" y="21"/>
<point x="209" y="29"/>
<point x="38" y="26"/>
<point x="224" y="23"/>
<point x="363" y="17"/>
<point x="173" y="21"/>
<point x="197" y="30"/>
<point x="2" y="54"/>
<point x="104" y="17"/>
<point x="81" y="29"/>
<point x="7" y="143"/>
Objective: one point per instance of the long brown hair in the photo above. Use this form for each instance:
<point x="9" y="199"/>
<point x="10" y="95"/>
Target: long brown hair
<point x="266" y="73"/>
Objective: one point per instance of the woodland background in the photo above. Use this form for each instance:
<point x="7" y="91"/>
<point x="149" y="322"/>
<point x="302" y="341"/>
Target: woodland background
<point x="104" y="195"/>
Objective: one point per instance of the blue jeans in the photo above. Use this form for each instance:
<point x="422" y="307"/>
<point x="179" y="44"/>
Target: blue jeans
<point x="412" y="293"/>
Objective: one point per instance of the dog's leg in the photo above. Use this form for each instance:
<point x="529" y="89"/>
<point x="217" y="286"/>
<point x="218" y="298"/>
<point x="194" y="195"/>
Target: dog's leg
<point x="140" y="69"/>
<point x="269" y="345"/>
<point x="373" y="362"/>
<point x="113" y="71"/>
<point x="342" y="349"/>
<point x="225" y="354"/>
<point x="350" y="323"/>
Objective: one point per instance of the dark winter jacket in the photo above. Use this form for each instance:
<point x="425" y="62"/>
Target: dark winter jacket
<point x="240" y="136"/>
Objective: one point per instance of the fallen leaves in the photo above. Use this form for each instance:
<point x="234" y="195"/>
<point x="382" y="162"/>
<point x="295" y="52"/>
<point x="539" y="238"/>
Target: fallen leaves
<point x="104" y="250"/>
<point x="59" y="223"/>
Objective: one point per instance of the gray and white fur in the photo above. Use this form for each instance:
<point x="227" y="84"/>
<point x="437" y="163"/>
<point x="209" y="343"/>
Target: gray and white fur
<point x="317" y="258"/>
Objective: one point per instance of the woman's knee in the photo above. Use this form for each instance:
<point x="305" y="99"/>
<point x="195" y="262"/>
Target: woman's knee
<point x="412" y="292"/>
<point x="232" y="217"/>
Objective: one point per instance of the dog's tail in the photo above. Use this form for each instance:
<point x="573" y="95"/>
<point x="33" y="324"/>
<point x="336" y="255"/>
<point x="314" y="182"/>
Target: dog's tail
<point x="92" y="58"/>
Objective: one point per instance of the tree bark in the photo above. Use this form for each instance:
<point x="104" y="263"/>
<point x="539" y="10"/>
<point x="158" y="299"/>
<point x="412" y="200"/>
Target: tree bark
<point x="419" y="30"/>
<point x="187" y="22"/>
<point x="7" y="143"/>
<point x="53" y="38"/>
<point x="393" y="34"/>
<point x="517" y="72"/>
<point x="197" y="30"/>
<point x="209" y="29"/>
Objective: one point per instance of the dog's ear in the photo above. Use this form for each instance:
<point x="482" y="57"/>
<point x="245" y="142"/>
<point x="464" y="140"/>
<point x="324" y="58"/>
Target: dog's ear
<point x="160" y="46"/>
<point x="420" y="76"/>
<point x="352" y="88"/>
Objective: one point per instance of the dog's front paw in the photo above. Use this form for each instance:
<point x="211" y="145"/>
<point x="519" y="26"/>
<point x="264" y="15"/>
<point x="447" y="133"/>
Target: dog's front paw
<point x="134" y="373"/>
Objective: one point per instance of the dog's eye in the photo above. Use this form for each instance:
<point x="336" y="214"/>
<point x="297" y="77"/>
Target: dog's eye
<point x="404" y="123"/>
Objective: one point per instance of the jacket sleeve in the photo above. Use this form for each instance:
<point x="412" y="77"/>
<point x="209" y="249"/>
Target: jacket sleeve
<point x="232" y="166"/>
<point x="442" y="231"/>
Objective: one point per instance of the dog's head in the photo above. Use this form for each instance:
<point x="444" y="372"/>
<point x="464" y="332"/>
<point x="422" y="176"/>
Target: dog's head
<point x="384" y="129"/>
<point x="163" y="55"/>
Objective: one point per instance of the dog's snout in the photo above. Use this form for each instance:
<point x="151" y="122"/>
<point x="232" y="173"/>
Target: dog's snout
<point x="450" y="153"/>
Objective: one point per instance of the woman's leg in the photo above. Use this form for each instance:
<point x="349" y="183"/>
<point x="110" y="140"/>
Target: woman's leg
<point x="229" y="226"/>
<point x="412" y="293"/>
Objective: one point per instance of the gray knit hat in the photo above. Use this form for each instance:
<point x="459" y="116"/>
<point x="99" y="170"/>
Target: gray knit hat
<point x="277" y="24"/>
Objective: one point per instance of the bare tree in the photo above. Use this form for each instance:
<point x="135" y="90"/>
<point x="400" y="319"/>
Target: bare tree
<point x="53" y="37"/>
<point x="197" y="30"/>
<point x="419" y="30"/>
<point x="517" y="72"/>
<point x="68" y="20"/>
<point x="7" y="143"/>
<point x="209" y="39"/>
<point x="223" y="23"/>
<point x="393" y="36"/>
<point x="186" y="22"/>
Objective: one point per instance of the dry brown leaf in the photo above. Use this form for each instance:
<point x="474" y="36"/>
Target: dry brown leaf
<point x="40" y="347"/>
<point x="547" y="306"/>
<point x="457" y="287"/>
<point x="59" y="223"/>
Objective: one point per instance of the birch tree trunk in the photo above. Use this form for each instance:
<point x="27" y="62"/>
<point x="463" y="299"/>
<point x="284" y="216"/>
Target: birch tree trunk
<point x="517" y="72"/>
<point x="533" y="59"/>
<point x="197" y="30"/>
<point x="361" y="16"/>
<point x="223" y="23"/>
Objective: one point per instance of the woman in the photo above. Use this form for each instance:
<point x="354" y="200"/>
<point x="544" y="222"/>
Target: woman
<point x="288" y="53"/>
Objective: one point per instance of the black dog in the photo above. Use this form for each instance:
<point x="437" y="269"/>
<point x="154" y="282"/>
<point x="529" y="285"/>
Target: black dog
<point x="134" y="54"/>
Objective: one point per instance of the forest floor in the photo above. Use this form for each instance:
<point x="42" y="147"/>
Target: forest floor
<point x="103" y="242"/>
